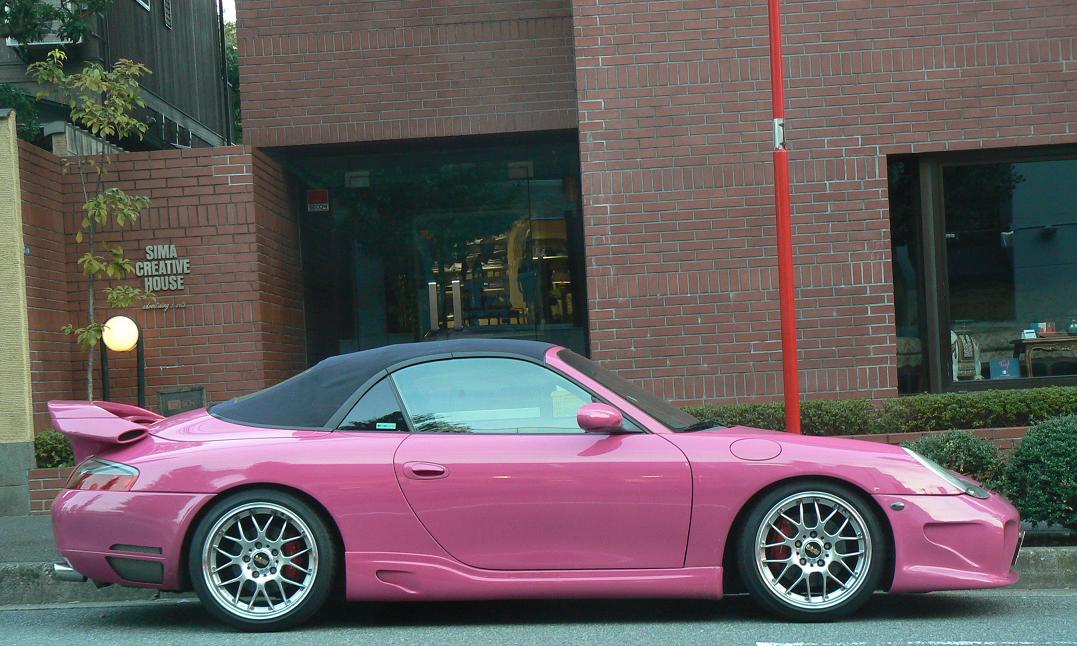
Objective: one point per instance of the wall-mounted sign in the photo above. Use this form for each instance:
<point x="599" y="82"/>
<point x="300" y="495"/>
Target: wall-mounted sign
<point x="163" y="270"/>
<point x="318" y="200"/>
<point x="171" y="401"/>
<point x="357" y="179"/>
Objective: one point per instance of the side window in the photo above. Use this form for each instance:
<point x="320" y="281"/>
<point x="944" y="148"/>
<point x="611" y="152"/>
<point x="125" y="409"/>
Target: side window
<point x="378" y="410"/>
<point x="505" y="396"/>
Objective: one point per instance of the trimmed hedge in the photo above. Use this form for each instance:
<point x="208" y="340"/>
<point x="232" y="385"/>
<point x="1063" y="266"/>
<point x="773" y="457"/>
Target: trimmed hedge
<point x="913" y="413"/>
<point x="965" y="453"/>
<point x="1042" y="476"/>
<point x="53" y="449"/>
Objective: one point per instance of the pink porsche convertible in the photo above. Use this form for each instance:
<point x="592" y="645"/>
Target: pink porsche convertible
<point x="495" y="469"/>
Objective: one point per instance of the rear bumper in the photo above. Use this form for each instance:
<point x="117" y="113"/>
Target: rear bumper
<point x="952" y="542"/>
<point x="128" y="538"/>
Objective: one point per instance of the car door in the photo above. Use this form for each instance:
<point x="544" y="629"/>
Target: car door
<point x="502" y="477"/>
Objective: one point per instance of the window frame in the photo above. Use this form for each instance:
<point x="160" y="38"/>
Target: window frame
<point x="935" y="272"/>
<point x="366" y="389"/>
<point x="640" y="429"/>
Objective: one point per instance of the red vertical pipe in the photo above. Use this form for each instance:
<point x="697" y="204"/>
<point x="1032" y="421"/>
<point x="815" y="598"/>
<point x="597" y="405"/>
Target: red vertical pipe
<point x="784" y="221"/>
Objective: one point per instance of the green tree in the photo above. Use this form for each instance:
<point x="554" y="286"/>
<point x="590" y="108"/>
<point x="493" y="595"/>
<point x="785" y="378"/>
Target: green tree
<point x="26" y="21"/>
<point x="231" y="53"/>
<point x="25" y="107"/>
<point x="103" y="102"/>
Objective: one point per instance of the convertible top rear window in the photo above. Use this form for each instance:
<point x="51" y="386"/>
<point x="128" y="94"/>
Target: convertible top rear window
<point x="311" y="398"/>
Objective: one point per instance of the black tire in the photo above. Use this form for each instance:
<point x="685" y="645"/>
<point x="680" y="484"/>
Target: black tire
<point x="303" y="553"/>
<point x="772" y="566"/>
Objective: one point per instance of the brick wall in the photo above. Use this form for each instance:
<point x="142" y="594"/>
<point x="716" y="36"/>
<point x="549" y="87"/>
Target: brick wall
<point x="280" y="279"/>
<point x="45" y="485"/>
<point x="234" y="328"/>
<point x="47" y="268"/>
<point x="674" y="122"/>
<point x="327" y="71"/>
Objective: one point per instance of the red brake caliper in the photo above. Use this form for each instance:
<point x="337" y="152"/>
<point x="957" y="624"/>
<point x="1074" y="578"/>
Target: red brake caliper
<point x="779" y="552"/>
<point x="289" y="549"/>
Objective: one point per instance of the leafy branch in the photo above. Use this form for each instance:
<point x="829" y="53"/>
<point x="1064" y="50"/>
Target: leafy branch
<point x="103" y="101"/>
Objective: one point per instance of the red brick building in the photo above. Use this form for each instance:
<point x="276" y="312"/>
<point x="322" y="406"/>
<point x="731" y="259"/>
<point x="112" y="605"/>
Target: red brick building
<point x="667" y="103"/>
<point x="597" y="174"/>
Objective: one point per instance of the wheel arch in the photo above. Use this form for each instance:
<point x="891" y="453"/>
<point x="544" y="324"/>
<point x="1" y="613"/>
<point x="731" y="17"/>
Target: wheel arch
<point x="315" y="504"/>
<point x="730" y="573"/>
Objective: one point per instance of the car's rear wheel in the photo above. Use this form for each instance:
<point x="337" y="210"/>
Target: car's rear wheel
<point x="812" y="551"/>
<point x="262" y="560"/>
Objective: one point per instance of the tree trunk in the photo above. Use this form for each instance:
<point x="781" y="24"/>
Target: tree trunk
<point x="90" y="350"/>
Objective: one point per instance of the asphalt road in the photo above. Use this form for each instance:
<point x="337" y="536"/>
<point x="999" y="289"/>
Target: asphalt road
<point x="940" y="619"/>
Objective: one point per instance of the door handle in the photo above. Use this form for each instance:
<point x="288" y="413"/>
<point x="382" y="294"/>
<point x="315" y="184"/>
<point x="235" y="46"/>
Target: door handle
<point x="424" y="471"/>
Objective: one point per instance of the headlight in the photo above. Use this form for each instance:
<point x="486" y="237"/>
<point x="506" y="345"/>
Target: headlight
<point x="97" y="474"/>
<point x="964" y="485"/>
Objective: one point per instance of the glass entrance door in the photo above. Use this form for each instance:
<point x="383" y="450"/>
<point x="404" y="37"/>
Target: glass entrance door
<point x="455" y="242"/>
<point x="477" y="276"/>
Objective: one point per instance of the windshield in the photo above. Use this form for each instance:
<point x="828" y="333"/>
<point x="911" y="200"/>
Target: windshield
<point x="676" y="419"/>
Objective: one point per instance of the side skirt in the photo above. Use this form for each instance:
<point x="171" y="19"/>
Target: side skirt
<point x="400" y="577"/>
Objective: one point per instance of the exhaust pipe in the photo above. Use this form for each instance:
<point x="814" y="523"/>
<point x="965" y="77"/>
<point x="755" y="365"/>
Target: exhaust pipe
<point x="64" y="572"/>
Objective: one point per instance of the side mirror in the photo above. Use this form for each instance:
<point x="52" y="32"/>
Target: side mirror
<point x="599" y="418"/>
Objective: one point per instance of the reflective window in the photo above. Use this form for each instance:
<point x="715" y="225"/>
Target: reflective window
<point x="378" y="410"/>
<point x="907" y="266"/>
<point x="489" y="396"/>
<point x="1011" y="236"/>
<point x="985" y="274"/>
<point x="465" y="238"/>
<point x="658" y="408"/>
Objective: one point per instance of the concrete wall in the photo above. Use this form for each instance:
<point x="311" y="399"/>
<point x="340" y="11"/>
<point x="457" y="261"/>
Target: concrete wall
<point x="16" y="417"/>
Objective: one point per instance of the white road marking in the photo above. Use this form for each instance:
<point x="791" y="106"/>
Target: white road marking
<point x="925" y="643"/>
<point x="919" y="643"/>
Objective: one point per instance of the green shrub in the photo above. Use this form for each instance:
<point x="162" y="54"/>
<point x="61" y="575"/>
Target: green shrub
<point x="914" y="413"/>
<point x="1042" y="476"/>
<point x="53" y="449"/>
<point x="837" y="417"/>
<point x="965" y="453"/>
<point x="984" y="409"/>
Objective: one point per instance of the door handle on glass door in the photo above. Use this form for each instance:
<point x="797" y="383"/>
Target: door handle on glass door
<point x="424" y="471"/>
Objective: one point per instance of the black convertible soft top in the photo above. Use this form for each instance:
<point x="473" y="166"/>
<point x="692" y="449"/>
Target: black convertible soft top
<point x="309" y="399"/>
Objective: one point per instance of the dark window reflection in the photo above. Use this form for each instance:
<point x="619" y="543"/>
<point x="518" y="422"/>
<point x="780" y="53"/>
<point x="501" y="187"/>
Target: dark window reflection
<point x="458" y="239"/>
<point x="907" y="253"/>
<point x="1011" y="232"/>
<point x="378" y="410"/>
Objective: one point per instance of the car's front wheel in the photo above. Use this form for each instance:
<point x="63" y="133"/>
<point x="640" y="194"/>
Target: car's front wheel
<point x="262" y="560"/>
<point x="812" y="551"/>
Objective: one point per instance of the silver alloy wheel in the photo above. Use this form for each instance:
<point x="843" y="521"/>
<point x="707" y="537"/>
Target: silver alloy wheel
<point x="813" y="550"/>
<point x="259" y="561"/>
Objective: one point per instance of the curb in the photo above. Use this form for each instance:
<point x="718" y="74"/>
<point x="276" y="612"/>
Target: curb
<point x="34" y="583"/>
<point x="1047" y="567"/>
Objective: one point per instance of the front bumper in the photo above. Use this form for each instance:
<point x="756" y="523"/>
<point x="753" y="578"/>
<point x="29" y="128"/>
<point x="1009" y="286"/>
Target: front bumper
<point x="129" y="538"/>
<point x="952" y="542"/>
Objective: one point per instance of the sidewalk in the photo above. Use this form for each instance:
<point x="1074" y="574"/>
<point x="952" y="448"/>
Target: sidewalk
<point x="28" y="550"/>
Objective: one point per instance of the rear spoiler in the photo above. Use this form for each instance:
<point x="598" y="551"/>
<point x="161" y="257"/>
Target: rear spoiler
<point x="94" y="426"/>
